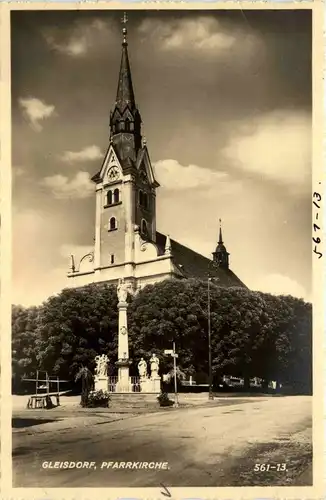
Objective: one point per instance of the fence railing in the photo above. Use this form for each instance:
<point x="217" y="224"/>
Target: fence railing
<point x="134" y="385"/>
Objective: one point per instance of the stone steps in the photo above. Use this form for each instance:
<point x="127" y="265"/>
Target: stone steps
<point x="133" y="400"/>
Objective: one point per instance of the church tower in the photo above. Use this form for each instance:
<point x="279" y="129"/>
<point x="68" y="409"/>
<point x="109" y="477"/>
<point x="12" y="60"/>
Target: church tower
<point x="221" y="256"/>
<point x="127" y="244"/>
<point x="125" y="185"/>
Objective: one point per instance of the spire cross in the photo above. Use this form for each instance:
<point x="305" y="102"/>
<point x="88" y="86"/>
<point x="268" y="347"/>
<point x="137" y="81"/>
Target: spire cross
<point x="124" y="21"/>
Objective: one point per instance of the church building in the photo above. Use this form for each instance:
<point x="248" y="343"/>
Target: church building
<point x="127" y="243"/>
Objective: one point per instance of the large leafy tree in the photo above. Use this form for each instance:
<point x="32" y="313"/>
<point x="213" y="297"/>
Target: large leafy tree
<point x="252" y="334"/>
<point x="178" y="311"/>
<point x="24" y="336"/>
<point x="74" y="327"/>
<point x="170" y="311"/>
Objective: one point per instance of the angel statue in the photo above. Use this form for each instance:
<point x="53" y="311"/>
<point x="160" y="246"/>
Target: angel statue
<point x="142" y="368"/>
<point x="101" y="369"/>
<point x="154" y="361"/>
<point x="122" y="290"/>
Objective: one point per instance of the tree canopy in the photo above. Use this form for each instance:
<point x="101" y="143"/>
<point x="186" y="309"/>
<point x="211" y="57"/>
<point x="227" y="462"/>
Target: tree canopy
<point x="252" y="334"/>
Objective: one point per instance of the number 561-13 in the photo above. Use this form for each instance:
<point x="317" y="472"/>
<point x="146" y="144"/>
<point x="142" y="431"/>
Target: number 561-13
<point x="269" y="467"/>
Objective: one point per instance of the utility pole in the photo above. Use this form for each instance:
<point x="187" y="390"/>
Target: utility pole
<point x="210" y="388"/>
<point x="174" y="356"/>
<point x="176" y="402"/>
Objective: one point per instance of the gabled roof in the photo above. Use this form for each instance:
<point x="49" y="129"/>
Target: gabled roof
<point x="143" y="158"/>
<point x="125" y="91"/>
<point x="194" y="265"/>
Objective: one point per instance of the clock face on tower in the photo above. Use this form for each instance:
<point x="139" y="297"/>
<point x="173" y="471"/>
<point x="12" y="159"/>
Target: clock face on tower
<point x="113" y="174"/>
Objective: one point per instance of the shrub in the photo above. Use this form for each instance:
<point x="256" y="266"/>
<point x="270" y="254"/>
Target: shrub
<point x="98" y="399"/>
<point x="164" y="400"/>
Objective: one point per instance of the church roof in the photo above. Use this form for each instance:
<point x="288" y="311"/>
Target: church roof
<point x="191" y="264"/>
<point x="125" y="92"/>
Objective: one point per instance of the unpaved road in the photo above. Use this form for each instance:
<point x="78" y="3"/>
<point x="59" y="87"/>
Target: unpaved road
<point x="210" y="446"/>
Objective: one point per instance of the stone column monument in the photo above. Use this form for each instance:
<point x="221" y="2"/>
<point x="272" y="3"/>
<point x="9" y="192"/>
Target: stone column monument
<point x="123" y="363"/>
<point x="101" y="373"/>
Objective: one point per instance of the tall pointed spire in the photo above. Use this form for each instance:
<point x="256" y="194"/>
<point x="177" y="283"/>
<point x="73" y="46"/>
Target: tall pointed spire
<point x="125" y="91"/>
<point x="125" y="121"/>
<point x="221" y="255"/>
<point x="220" y="239"/>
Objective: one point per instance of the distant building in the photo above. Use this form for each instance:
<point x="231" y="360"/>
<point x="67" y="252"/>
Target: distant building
<point x="127" y="243"/>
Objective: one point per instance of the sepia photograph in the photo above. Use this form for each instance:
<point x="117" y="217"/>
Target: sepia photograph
<point x="163" y="249"/>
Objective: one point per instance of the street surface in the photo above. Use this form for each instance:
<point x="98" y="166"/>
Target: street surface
<point x="216" y="445"/>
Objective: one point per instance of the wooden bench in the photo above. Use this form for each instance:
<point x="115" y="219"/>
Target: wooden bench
<point x="42" y="401"/>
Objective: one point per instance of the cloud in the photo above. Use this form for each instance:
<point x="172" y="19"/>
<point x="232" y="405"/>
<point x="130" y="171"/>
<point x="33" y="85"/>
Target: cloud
<point x="26" y="295"/>
<point x="77" y="41"/>
<point x="276" y="145"/>
<point x="202" y="33"/>
<point x="89" y="153"/>
<point x="39" y="270"/>
<point x="36" y="111"/>
<point x="80" y="186"/>
<point x="171" y="175"/>
<point x="278" y="284"/>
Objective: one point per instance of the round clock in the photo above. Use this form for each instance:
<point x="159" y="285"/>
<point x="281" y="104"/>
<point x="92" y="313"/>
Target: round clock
<point x="113" y="173"/>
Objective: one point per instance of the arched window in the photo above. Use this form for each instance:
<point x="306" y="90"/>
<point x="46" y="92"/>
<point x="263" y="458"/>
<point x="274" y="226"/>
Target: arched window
<point x="116" y="195"/>
<point x="140" y="197"/>
<point x="113" y="224"/>
<point x="145" y="200"/>
<point x="144" y="227"/>
<point x="109" y="198"/>
<point x="121" y="125"/>
<point x="112" y="259"/>
<point x="127" y="124"/>
<point x="131" y="126"/>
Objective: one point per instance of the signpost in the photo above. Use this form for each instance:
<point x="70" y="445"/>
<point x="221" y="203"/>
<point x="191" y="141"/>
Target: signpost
<point x="174" y="355"/>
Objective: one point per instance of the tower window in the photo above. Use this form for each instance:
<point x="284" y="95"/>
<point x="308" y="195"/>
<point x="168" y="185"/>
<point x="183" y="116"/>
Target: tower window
<point x="144" y="227"/>
<point x="112" y="259"/>
<point x="113" y="224"/>
<point x="121" y="125"/>
<point x="131" y="127"/>
<point x="145" y="200"/>
<point x="140" y="198"/>
<point x="116" y="195"/>
<point x="109" y="198"/>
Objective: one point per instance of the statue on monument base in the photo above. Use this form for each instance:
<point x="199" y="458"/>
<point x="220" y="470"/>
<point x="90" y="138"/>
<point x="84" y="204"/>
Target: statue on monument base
<point x="150" y="384"/>
<point x="101" y="373"/>
<point x="122" y="291"/>
<point x="155" y="362"/>
<point x="142" y="369"/>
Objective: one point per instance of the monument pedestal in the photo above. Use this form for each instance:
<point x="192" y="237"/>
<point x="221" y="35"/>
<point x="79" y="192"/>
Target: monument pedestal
<point x="156" y="384"/>
<point x="124" y="383"/>
<point x="150" y="385"/>
<point x="101" y="383"/>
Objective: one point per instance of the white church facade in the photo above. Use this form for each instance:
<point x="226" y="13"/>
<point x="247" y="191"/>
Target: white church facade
<point x="127" y="244"/>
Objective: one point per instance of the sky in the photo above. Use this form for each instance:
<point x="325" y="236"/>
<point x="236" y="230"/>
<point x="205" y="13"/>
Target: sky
<point x="225" y="100"/>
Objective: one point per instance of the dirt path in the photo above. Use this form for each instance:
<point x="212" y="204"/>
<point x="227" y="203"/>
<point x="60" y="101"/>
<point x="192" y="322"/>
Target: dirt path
<point x="212" y="446"/>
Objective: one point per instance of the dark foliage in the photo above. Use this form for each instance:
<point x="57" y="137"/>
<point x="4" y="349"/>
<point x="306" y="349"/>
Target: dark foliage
<point x="252" y="334"/>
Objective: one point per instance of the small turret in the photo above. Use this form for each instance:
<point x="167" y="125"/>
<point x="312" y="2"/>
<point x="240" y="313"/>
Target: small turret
<point x="221" y="255"/>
